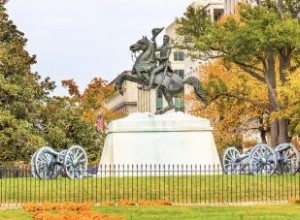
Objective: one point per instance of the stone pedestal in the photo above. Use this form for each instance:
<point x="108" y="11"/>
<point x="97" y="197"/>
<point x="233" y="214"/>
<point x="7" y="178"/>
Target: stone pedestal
<point x="172" y="138"/>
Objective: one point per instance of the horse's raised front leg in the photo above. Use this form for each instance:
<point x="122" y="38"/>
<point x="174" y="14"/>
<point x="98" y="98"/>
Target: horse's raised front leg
<point x="169" y="98"/>
<point x="122" y="78"/>
<point x="118" y="84"/>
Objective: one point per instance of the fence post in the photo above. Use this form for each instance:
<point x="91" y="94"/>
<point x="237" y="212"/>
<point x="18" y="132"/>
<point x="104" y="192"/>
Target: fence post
<point x="1" y="186"/>
<point x="137" y="183"/>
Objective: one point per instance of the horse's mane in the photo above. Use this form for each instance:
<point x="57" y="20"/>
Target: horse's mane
<point x="146" y="53"/>
<point x="149" y="41"/>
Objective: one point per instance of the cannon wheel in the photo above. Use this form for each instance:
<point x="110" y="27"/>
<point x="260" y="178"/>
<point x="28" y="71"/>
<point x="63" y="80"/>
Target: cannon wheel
<point x="230" y="163"/>
<point x="262" y="160"/>
<point x="288" y="159"/>
<point x="45" y="164"/>
<point x="75" y="162"/>
<point x="32" y="163"/>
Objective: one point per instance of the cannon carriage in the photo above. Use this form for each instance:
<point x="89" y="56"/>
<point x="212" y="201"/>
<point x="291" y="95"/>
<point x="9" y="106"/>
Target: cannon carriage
<point x="46" y="163"/>
<point x="262" y="159"/>
<point x="288" y="158"/>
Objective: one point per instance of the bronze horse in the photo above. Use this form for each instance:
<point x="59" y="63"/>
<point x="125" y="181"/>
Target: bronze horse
<point x="170" y="83"/>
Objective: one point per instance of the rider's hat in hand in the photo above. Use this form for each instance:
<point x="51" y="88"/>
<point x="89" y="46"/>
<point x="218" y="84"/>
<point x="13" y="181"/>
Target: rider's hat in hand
<point x="156" y="31"/>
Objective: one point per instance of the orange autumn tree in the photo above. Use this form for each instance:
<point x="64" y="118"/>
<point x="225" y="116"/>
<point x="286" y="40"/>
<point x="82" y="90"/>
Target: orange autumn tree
<point x="233" y="104"/>
<point x="84" y="109"/>
<point x="92" y="100"/>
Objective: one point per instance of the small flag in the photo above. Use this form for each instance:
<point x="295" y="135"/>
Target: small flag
<point x="100" y="124"/>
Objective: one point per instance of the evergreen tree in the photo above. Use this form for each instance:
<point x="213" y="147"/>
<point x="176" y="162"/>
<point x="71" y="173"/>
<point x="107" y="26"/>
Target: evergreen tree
<point x="22" y="94"/>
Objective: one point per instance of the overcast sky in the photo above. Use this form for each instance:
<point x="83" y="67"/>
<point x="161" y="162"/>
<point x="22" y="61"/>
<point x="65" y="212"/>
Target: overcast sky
<point x="83" y="39"/>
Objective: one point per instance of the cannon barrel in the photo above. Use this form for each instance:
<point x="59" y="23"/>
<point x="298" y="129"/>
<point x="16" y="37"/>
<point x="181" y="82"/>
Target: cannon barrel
<point x="243" y="156"/>
<point x="53" y="152"/>
<point x="282" y="147"/>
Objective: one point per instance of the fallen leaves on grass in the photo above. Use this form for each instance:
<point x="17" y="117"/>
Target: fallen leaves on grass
<point x="293" y="200"/>
<point x="65" y="211"/>
<point x="140" y="203"/>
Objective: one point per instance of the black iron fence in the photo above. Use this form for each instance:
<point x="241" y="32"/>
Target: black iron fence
<point x="188" y="184"/>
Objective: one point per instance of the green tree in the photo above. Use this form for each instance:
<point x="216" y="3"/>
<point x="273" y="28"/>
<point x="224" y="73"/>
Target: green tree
<point x="289" y="94"/>
<point x="22" y="94"/>
<point x="262" y="41"/>
<point x="63" y="126"/>
<point x="71" y="119"/>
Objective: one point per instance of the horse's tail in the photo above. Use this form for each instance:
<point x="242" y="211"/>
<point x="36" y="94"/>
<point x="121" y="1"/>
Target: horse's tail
<point x="193" y="81"/>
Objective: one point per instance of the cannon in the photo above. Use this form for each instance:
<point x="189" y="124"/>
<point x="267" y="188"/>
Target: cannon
<point x="46" y="163"/>
<point x="233" y="161"/>
<point x="262" y="159"/>
<point x="288" y="158"/>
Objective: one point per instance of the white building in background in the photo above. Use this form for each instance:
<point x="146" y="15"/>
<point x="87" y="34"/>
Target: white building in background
<point x="127" y="102"/>
<point x="214" y="7"/>
<point x="230" y="5"/>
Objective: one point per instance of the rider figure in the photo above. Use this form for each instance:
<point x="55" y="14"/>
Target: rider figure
<point x="163" y="58"/>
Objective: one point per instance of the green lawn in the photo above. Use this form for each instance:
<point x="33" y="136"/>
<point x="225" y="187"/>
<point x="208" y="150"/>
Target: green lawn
<point x="185" y="212"/>
<point x="209" y="212"/>
<point x="177" y="189"/>
<point x="14" y="214"/>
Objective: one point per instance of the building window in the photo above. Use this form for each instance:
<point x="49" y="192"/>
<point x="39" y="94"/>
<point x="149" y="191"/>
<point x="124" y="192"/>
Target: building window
<point x="178" y="56"/>
<point x="218" y="13"/>
<point x="180" y="73"/>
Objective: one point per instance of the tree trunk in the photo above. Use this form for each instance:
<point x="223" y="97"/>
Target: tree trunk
<point x="284" y="63"/>
<point x="284" y="66"/>
<point x="270" y="77"/>
<point x="283" y="136"/>
<point x="263" y="136"/>
<point x="274" y="133"/>
<point x="279" y="127"/>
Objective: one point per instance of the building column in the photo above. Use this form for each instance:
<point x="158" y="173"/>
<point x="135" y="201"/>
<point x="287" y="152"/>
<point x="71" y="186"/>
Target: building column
<point x="232" y="5"/>
<point x="212" y="16"/>
<point x="228" y="7"/>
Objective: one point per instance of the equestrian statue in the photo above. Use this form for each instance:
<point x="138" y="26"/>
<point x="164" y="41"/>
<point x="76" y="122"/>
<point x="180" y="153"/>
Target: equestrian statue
<point x="153" y="71"/>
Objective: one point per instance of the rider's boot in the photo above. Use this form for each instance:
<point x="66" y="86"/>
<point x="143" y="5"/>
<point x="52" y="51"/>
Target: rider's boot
<point x="150" y="83"/>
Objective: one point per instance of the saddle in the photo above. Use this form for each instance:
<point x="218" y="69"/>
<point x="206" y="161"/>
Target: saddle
<point x="143" y="68"/>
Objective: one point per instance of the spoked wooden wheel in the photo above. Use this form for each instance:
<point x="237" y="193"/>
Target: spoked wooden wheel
<point x="288" y="158"/>
<point x="231" y="160"/>
<point x="45" y="164"/>
<point x="263" y="160"/>
<point x="75" y="162"/>
<point x="32" y="164"/>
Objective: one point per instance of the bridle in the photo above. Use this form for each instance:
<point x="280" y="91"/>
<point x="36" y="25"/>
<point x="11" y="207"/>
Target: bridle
<point x="133" y="56"/>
